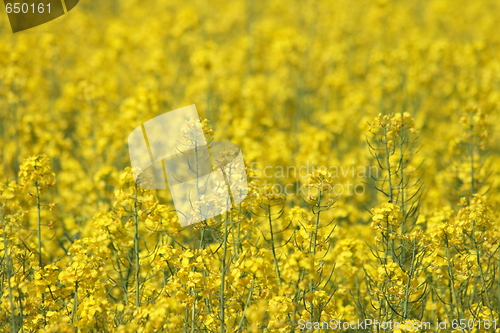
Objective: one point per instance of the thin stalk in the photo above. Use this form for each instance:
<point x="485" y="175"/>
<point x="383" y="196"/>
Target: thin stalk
<point x="387" y="154"/>
<point x="317" y="223"/>
<point x="401" y="183"/>
<point x="452" y="282"/>
<point x="483" y="280"/>
<point x="407" y="288"/>
<point x="39" y="235"/>
<point x="193" y="309"/>
<point x="75" y="304"/>
<point x="249" y="298"/>
<point x="471" y="156"/>
<point x="223" y="275"/>
<point x="313" y="250"/>
<point x="498" y="278"/>
<point x="8" y="268"/>
<point x="39" y="225"/>
<point x="136" y="251"/>
<point x="272" y="243"/>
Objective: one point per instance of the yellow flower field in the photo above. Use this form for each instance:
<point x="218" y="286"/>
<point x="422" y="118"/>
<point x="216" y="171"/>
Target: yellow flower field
<point x="370" y="135"/>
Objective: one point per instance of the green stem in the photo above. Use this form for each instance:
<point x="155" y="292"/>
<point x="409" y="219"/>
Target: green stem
<point x="313" y="250"/>
<point x="75" y="304"/>
<point x="249" y="298"/>
<point x="136" y="251"/>
<point x="471" y="151"/>
<point x="387" y="161"/>
<point x="39" y="224"/>
<point x="408" y="282"/>
<point x="223" y="275"/>
<point x="452" y="282"/>
<point x="272" y="243"/>
<point x="8" y="270"/>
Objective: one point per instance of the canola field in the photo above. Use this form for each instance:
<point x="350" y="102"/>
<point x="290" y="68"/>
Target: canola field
<point x="370" y="136"/>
